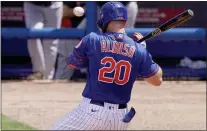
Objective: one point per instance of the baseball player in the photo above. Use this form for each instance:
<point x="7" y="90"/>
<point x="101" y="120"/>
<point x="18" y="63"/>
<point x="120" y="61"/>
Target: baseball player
<point x="40" y="14"/>
<point x="67" y="45"/>
<point x="113" y="61"/>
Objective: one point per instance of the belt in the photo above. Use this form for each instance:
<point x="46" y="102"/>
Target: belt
<point x="100" y="103"/>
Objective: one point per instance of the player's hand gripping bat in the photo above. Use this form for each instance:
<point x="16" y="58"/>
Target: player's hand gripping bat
<point x="177" y="20"/>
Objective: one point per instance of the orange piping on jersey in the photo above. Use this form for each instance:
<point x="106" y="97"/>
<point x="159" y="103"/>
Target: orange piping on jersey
<point x="121" y="44"/>
<point x="111" y="49"/>
<point x="153" y="73"/>
<point x="131" y="51"/>
<point x="103" y="46"/>
<point x="114" y="47"/>
<point x="78" y="54"/>
<point x="72" y="66"/>
<point x="126" y="53"/>
<point x="118" y="48"/>
<point x="108" y="46"/>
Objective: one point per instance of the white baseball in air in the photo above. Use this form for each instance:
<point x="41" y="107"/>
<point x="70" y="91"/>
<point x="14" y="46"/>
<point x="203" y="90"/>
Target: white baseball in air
<point x="78" y="11"/>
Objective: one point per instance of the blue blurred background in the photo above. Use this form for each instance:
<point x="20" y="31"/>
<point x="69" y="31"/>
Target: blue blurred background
<point x="172" y="50"/>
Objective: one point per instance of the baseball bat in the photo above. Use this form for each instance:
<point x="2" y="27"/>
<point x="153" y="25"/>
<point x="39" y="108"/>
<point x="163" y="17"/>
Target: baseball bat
<point x="175" y="21"/>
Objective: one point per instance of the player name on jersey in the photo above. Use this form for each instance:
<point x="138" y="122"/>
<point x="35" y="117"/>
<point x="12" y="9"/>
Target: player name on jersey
<point x="118" y="48"/>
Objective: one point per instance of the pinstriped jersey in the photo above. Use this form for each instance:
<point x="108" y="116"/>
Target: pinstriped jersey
<point x="113" y="61"/>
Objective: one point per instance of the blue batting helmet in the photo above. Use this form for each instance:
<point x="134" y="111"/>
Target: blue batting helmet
<point x="111" y="11"/>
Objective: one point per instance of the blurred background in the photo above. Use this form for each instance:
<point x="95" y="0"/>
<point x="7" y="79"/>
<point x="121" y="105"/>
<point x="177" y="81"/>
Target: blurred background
<point x="182" y="58"/>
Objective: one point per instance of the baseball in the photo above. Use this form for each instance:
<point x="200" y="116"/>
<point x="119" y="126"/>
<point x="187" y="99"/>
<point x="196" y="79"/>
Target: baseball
<point x="78" y="11"/>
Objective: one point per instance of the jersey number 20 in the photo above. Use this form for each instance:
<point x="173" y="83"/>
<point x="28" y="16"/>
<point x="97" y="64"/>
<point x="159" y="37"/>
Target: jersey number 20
<point x="116" y="68"/>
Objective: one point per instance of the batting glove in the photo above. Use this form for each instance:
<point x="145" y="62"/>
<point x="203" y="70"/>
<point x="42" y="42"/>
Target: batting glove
<point x="137" y="36"/>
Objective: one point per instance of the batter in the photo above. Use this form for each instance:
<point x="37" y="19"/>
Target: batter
<point x="66" y="46"/>
<point x="113" y="61"/>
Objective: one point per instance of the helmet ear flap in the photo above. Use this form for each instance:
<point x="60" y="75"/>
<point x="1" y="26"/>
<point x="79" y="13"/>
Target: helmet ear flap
<point x="100" y="23"/>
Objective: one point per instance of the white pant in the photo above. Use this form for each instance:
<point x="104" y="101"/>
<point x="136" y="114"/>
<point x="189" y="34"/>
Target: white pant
<point x="93" y="117"/>
<point x="43" y="53"/>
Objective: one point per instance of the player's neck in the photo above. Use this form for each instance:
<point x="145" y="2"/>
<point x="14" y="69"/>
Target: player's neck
<point x="122" y="30"/>
<point x="116" y="26"/>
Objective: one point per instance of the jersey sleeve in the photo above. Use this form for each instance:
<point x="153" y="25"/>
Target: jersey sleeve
<point x="147" y="66"/>
<point x="78" y="58"/>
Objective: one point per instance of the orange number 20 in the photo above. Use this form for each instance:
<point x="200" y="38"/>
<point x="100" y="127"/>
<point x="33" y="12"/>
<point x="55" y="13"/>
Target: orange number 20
<point x="114" y="67"/>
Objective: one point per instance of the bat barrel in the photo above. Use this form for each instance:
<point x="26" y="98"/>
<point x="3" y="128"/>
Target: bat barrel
<point x="177" y="20"/>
